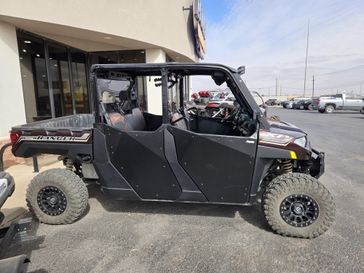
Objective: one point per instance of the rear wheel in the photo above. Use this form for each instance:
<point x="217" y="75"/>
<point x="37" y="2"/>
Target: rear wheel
<point x="57" y="196"/>
<point x="298" y="205"/>
<point x="329" y="109"/>
<point x="321" y="110"/>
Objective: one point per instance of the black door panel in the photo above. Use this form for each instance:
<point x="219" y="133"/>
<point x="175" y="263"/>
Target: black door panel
<point x="139" y="157"/>
<point x="221" y="166"/>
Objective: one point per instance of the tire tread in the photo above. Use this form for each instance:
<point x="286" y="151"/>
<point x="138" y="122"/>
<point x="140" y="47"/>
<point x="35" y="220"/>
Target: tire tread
<point x="290" y="183"/>
<point x="75" y="191"/>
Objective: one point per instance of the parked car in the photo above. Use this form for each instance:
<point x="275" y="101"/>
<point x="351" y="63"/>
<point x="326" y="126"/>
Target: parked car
<point x="303" y="104"/>
<point x="311" y="104"/>
<point x="298" y="104"/>
<point x="329" y="104"/>
<point x="285" y="103"/>
<point x="272" y="102"/>
<point x="289" y="104"/>
<point x="171" y="157"/>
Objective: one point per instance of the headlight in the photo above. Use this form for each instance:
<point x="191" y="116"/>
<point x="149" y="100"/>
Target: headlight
<point x="273" y="138"/>
<point x="302" y="141"/>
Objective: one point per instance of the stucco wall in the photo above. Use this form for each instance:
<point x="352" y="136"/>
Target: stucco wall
<point x="12" y="110"/>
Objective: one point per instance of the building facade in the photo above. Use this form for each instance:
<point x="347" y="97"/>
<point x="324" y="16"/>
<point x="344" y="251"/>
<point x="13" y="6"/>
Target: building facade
<point x="47" y="48"/>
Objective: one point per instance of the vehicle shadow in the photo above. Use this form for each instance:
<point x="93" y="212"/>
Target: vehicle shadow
<point x="251" y="214"/>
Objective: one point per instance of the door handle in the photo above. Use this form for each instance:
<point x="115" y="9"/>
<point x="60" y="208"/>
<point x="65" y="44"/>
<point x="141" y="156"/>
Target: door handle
<point x="250" y="141"/>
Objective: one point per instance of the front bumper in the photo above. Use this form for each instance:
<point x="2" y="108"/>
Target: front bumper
<point x="318" y="163"/>
<point x="7" y="187"/>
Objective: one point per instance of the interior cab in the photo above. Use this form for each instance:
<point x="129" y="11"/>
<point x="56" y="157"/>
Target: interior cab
<point x="121" y="109"/>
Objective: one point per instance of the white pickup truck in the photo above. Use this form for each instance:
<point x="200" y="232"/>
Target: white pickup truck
<point x="328" y="104"/>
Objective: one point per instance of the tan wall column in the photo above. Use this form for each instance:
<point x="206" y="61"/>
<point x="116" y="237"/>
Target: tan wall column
<point x="12" y="110"/>
<point x="154" y="94"/>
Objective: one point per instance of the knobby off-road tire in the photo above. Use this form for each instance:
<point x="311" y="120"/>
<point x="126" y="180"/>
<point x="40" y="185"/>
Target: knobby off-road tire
<point x="64" y="186"/>
<point x="298" y="186"/>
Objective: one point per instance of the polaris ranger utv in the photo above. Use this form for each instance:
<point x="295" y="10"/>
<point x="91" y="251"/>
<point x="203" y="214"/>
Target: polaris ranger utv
<point x="178" y="154"/>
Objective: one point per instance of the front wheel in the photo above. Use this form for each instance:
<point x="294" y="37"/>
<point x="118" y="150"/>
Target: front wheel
<point x="57" y="196"/>
<point x="298" y="205"/>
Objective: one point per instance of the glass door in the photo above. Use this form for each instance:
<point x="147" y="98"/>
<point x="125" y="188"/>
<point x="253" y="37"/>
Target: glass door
<point x="80" y="94"/>
<point x="60" y="80"/>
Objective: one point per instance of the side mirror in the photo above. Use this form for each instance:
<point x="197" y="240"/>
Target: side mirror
<point x="241" y="70"/>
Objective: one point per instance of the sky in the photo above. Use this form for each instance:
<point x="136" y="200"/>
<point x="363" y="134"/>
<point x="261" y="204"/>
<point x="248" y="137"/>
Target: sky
<point x="269" y="38"/>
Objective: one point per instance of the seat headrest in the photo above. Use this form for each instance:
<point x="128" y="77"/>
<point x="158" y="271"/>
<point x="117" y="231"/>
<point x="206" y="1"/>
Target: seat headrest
<point x="108" y="97"/>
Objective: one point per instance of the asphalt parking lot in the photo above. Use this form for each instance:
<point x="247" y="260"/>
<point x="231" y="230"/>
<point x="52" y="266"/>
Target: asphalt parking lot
<point x="117" y="236"/>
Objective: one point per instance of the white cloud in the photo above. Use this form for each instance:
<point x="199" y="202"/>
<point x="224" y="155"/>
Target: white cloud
<point x="269" y="38"/>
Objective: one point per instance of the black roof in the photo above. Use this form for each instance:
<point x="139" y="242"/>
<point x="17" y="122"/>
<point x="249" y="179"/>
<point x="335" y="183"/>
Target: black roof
<point x="152" y="66"/>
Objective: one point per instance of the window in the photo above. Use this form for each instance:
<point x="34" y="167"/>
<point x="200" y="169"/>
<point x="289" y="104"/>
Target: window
<point x="81" y="97"/>
<point x="215" y="108"/>
<point x="51" y="68"/>
<point x="34" y="77"/>
<point x="126" y="56"/>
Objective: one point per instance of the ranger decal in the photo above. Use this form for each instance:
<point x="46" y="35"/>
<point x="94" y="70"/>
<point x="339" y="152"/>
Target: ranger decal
<point x="84" y="138"/>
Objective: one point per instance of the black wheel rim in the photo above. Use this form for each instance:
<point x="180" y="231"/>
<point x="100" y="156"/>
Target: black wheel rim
<point x="52" y="201"/>
<point x="299" y="210"/>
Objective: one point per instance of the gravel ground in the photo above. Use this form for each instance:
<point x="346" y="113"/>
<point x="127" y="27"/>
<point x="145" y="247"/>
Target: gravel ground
<point x="118" y="236"/>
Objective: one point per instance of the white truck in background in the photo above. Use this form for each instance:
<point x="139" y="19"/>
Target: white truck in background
<point x="328" y="104"/>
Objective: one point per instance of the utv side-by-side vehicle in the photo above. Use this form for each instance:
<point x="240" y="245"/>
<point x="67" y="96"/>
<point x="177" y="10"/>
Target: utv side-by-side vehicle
<point x="180" y="155"/>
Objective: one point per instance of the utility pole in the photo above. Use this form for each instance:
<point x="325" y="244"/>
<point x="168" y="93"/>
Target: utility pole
<point x="276" y="87"/>
<point x="304" y="83"/>
<point x="280" y="90"/>
<point x="313" y="85"/>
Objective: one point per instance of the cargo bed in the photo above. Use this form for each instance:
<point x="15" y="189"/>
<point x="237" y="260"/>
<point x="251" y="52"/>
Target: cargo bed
<point x="74" y="122"/>
<point x="70" y="136"/>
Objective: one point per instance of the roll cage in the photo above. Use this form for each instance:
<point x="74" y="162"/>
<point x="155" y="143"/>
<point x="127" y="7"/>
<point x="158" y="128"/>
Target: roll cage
<point x="219" y="73"/>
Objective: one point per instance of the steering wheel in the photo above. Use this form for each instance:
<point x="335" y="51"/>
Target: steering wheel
<point x="232" y="115"/>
